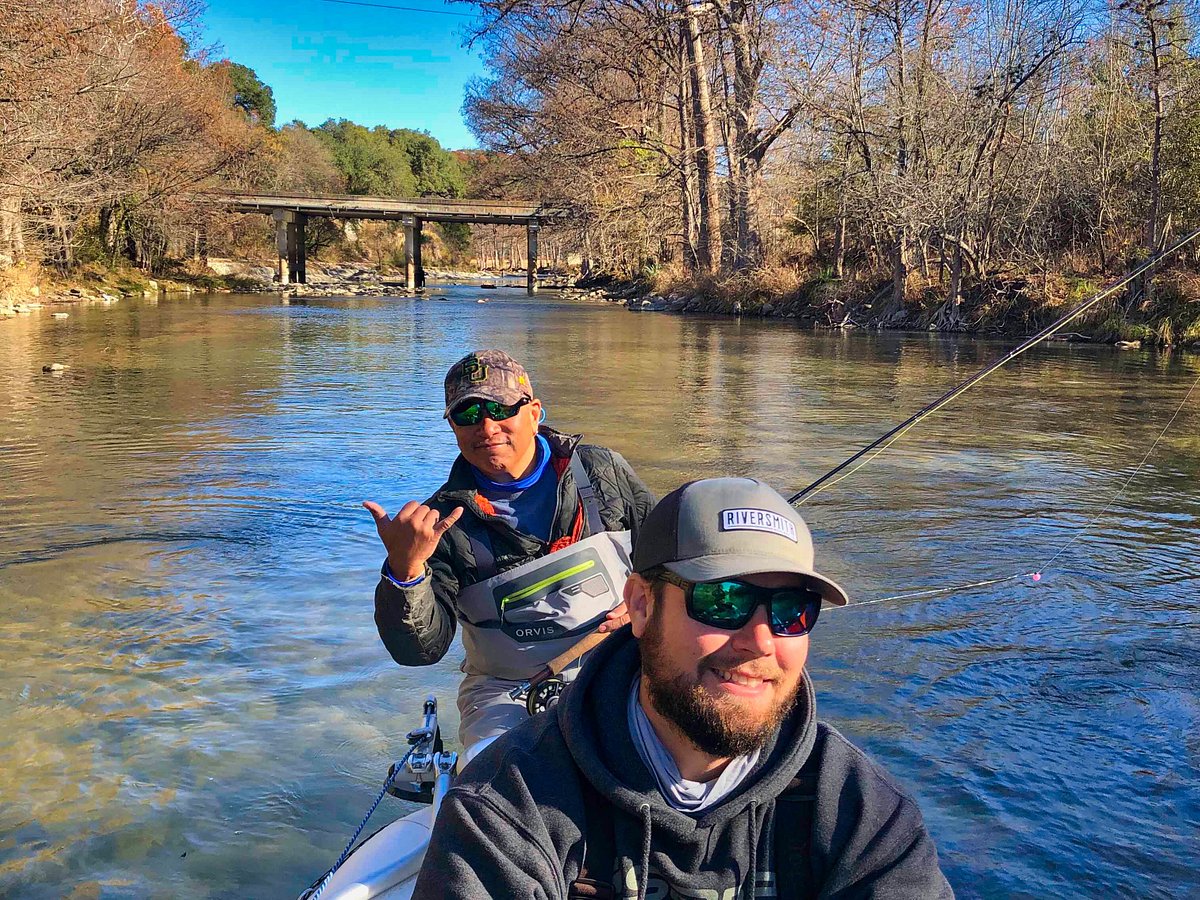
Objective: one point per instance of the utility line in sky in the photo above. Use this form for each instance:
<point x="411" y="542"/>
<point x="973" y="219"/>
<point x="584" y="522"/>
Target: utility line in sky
<point x="432" y="12"/>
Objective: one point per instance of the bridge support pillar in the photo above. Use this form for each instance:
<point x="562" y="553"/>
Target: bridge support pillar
<point x="293" y="258"/>
<point x="285" y="224"/>
<point x="531" y="238"/>
<point x="298" y="249"/>
<point x="418" y="266"/>
<point x="410" y="254"/>
<point x="291" y="266"/>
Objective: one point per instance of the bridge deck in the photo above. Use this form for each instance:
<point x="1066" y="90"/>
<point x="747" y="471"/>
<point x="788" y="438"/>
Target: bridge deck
<point x="435" y="209"/>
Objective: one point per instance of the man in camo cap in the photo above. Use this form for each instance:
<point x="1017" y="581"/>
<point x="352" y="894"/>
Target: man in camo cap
<point x="527" y="544"/>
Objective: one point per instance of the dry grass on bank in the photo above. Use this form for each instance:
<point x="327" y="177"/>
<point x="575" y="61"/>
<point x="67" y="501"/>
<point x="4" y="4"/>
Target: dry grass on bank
<point x="772" y="290"/>
<point x="1008" y="302"/>
<point x="19" y="283"/>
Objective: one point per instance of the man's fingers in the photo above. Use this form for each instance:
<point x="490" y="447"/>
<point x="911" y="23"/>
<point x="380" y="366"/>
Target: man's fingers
<point x="408" y="509"/>
<point x="377" y="512"/>
<point x="612" y="624"/>
<point x="617" y="617"/>
<point x="447" y="523"/>
<point x="424" y="521"/>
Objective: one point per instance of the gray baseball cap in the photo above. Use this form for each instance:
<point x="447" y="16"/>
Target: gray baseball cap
<point x="728" y="527"/>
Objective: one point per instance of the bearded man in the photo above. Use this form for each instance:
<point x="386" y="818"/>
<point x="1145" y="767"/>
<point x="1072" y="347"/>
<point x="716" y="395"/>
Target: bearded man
<point x="686" y="760"/>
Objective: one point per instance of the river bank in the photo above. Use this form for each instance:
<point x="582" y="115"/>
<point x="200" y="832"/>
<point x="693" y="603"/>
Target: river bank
<point x="1006" y="306"/>
<point x="26" y="290"/>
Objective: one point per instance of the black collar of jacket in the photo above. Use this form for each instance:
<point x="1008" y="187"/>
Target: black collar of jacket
<point x="460" y="488"/>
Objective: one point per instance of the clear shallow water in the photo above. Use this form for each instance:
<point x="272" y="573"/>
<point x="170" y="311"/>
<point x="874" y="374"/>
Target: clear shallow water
<point x="194" y="702"/>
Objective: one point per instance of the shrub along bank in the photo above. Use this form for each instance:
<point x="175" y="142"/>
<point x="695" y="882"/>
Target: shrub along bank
<point x="1169" y="316"/>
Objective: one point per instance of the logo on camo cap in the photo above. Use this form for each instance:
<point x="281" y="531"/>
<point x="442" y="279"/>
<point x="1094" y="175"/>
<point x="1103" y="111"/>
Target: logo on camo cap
<point x="487" y="375"/>
<point x="473" y="370"/>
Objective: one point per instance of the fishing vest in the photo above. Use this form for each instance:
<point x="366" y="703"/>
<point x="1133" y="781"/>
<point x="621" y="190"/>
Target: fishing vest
<point x="515" y="622"/>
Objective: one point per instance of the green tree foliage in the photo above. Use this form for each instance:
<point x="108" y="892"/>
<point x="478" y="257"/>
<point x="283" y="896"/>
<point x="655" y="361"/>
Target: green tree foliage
<point x="367" y="159"/>
<point x="391" y="163"/>
<point x="250" y="95"/>
<point x="437" y="172"/>
<point x="457" y="236"/>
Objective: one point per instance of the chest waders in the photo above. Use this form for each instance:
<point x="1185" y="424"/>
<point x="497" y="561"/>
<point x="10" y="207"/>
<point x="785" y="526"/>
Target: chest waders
<point x="515" y="622"/>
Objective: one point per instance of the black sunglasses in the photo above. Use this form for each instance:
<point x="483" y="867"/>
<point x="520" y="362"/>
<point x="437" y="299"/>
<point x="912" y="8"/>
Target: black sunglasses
<point x="791" y="611"/>
<point x="475" y="411"/>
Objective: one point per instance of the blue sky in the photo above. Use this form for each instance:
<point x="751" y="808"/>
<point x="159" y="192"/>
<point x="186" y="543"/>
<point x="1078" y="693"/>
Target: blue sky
<point x="374" y="66"/>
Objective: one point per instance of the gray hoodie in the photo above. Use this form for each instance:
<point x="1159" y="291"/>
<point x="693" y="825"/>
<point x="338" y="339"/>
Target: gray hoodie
<point x="514" y="825"/>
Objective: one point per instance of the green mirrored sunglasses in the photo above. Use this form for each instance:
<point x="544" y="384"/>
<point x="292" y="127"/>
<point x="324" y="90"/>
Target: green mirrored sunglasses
<point x="475" y="411"/>
<point x="729" y="604"/>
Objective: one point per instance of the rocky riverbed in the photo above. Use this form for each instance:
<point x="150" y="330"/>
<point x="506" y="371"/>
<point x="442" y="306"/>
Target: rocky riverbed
<point x="36" y="299"/>
<point x="253" y="276"/>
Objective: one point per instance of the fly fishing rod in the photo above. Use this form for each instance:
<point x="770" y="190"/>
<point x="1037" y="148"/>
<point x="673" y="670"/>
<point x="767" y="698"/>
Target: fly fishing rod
<point x="543" y="689"/>
<point x="884" y="441"/>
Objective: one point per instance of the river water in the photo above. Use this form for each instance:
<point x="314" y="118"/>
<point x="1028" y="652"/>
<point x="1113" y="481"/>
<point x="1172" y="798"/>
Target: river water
<point x="194" y="702"/>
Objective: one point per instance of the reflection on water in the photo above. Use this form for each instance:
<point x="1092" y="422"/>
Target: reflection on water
<point x="195" y="702"/>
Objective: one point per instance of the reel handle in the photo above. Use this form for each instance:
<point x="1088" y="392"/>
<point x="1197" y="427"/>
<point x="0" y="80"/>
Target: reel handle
<point x="560" y="662"/>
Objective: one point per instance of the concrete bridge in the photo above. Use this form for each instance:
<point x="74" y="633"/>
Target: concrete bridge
<point x="292" y="211"/>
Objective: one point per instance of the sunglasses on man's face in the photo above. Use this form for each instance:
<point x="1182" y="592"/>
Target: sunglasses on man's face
<point x="475" y="411"/>
<point x="791" y="611"/>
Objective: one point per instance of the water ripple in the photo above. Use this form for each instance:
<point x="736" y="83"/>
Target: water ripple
<point x="190" y="666"/>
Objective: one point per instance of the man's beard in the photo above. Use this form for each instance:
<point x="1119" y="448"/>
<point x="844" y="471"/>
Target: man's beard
<point x="717" y="726"/>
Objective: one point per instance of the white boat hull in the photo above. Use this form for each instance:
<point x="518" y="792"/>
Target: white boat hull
<point x="386" y="864"/>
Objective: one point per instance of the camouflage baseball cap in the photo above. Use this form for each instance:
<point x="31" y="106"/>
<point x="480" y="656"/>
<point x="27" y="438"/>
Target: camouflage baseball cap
<point x="487" y="375"/>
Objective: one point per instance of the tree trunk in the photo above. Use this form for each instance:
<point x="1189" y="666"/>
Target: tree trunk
<point x="709" y="224"/>
<point x="12" y="229"/>
<point x="899" y="256"/>
<point x="1156" y="141"/>
<point x="744" y="158"/>
<point x="839" y="246"/>
<point x="687" y="169"/>
<point x="62" y="232"/>
<point x="954" y="294"/>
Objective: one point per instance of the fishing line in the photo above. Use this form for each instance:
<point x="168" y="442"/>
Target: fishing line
<point x="946" y="590"/>
<point x="315" y="892"/>
<point x="1037" y="575"/>
<point x="885" y="441"/>
<point x="882" y="443"/>
<point x="1133" y="475"/>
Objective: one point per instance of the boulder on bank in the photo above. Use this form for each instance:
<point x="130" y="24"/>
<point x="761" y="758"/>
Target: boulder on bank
<point x="240" y="268"/>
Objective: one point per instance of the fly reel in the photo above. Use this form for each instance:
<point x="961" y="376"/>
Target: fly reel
<point x="543" y="695"/>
